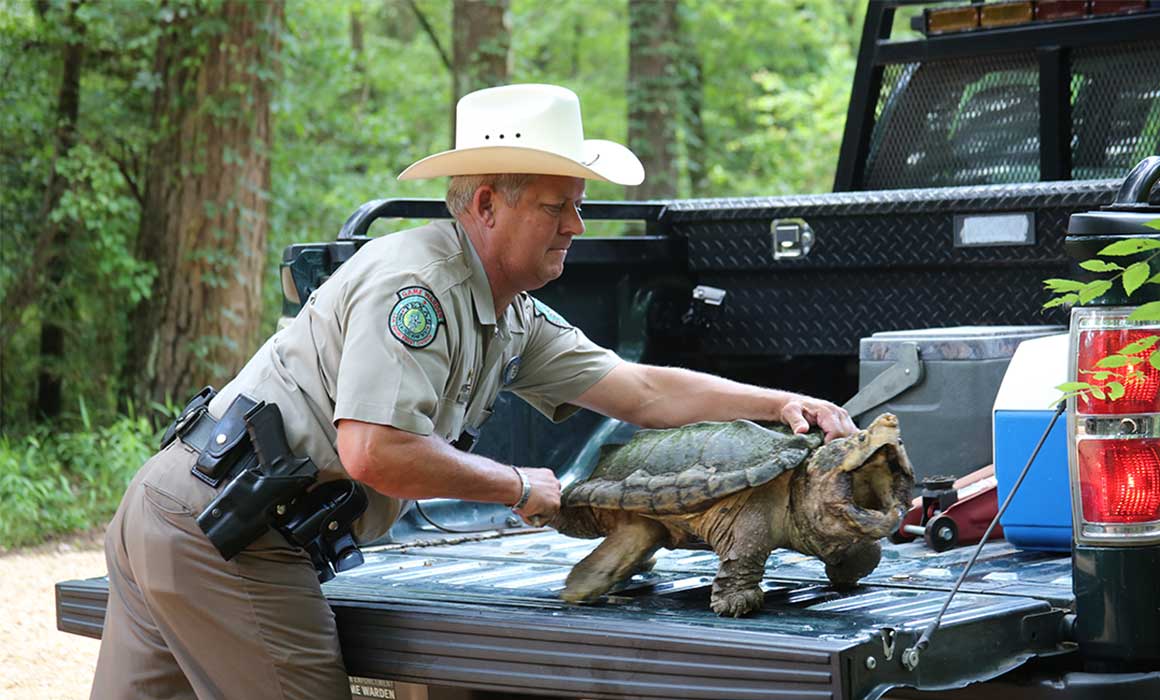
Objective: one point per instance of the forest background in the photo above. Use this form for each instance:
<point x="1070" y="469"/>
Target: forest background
<point x="156" y="156"/>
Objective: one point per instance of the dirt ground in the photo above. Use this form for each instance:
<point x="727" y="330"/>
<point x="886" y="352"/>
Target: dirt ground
<point x="36" y="660"/>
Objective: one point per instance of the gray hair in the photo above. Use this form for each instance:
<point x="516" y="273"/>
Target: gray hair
<point x="462" y="188"/>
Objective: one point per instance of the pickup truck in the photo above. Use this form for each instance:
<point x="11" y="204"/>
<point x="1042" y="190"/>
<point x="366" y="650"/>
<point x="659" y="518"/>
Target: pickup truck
<point x="967" y="150"/>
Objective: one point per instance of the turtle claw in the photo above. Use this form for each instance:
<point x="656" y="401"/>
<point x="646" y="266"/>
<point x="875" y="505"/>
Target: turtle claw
<point x="583" y="585"/>
<point x="737" y="603"/>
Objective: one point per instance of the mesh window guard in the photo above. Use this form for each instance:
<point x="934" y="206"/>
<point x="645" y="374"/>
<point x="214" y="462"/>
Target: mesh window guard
<point x="957" y="122"/>
<point x="1115" y="94"/>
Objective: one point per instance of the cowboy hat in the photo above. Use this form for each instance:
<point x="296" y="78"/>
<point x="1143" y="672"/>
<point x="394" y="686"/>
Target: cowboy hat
<point x="527" y="129"/>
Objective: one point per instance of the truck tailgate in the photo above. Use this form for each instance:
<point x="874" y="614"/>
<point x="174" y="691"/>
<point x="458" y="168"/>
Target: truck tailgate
<point x="483" y="612"/>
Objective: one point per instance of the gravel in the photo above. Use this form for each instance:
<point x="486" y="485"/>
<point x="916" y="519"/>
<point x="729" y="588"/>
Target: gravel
<point x="36" y="660"/>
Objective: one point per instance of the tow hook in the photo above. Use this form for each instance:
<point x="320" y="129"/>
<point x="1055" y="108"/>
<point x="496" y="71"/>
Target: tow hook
<point x="888" y="643"/>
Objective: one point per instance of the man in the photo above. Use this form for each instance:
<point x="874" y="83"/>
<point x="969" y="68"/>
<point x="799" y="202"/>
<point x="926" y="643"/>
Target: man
<point x="400" y="352"/>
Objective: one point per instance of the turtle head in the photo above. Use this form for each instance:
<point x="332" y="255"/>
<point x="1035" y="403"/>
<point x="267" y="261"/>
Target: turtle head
<point x="855" y="491"/>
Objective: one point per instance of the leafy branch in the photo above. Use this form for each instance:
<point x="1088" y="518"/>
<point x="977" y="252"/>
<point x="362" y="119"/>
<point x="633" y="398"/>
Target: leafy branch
<point x="1107" y="381"/>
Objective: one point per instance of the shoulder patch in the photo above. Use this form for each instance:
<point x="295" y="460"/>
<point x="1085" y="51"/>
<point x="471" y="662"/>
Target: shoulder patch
<point x="549" y="314"/>
<point x="416" y="316"/>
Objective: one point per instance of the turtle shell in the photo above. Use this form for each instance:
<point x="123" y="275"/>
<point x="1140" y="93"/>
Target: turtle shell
<point x="684" y="470"/>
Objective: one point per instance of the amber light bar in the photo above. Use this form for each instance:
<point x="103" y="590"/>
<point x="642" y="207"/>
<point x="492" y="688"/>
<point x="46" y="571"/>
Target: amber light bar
<point x="990" y="15"/>
<point x="1005" y="14"/>
<point x="952" y="19"/>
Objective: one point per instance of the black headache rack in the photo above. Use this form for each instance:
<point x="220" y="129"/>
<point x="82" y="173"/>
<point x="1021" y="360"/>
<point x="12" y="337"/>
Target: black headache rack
<point x="485" y="614"/>
<point x="1039" y="100"/>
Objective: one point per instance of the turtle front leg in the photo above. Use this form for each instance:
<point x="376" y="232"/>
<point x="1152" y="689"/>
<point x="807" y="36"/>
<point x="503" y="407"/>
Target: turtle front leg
<point x="737" y="587"/>
<point x="625" y="551"/>
<point x="740" y="531"/>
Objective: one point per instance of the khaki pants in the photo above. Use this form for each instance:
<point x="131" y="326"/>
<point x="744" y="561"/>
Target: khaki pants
<point x="183" y="623"/>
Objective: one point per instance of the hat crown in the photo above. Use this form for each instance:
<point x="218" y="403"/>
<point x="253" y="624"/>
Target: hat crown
<point x="543" y="117"/>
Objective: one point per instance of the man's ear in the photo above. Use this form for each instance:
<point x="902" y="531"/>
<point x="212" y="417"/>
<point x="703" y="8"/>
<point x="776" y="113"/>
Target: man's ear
<point x="483" y="204"/>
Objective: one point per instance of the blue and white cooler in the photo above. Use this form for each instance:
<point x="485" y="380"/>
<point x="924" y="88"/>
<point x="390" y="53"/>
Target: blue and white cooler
<point x="1039" y="517"/>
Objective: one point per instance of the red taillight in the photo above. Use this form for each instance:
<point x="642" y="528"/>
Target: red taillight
<point x="1120" y="480"/>
<point x="1114" y="441"/>
<point x="1141" y="389"/>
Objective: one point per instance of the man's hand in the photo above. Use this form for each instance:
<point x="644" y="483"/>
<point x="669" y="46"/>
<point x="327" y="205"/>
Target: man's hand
<point x="544" y="500"/>
<point x="799" y="412"/>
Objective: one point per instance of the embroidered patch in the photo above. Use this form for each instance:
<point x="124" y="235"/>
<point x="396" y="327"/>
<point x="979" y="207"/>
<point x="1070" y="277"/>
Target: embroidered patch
<point x="416" y="316"/>
<point x="511" y="370"/>
<point x="549" y="314"/>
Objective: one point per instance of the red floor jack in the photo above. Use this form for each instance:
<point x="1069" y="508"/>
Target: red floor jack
<point x="952" y="512"/>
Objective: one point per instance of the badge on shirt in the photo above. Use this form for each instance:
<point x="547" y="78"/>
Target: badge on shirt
<point x="416" y="316"/>
<point x="549" y="314"/>
<point x="511" y="370"/>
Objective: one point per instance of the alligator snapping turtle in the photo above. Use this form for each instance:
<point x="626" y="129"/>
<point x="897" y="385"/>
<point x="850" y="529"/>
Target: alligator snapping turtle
<point x="744" y="489"/>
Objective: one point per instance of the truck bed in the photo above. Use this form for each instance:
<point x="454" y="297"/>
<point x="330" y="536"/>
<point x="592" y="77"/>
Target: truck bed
<point x="482" y="611"/>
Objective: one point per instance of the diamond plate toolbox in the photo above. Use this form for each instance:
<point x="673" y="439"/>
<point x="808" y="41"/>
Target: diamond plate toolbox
<point x="883" y="260"/>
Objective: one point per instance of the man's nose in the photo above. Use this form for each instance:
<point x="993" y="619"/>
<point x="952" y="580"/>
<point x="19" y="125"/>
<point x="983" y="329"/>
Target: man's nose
<point x="571" y="223"/>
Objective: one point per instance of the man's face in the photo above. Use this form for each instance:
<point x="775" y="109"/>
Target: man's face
<point x="533" y="237"/>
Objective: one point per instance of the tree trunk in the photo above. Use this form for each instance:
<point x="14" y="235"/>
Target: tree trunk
<point x="51" y="266"/>
<point x="357" y="47"/>
<point x="204" y="220"/>
<point x="692" y="91"/>
<point x="653" y="81"/>
<point x="481" y="41"/>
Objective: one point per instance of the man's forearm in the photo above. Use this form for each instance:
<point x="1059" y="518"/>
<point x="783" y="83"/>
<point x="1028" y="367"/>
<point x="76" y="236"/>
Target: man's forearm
<point x="400" y="464"/>
<point x="669" y="397"/>
<point x="676" y="397"/>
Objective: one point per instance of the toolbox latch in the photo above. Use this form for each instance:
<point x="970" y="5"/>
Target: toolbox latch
<point x="792" y="238"/>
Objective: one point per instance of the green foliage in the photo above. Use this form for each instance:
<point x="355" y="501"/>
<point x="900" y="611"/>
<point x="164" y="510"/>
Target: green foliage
<point x="1122" y="367"/>
<point x="776" y="77"/>
<point x="95" y="277"/>
<point x="58" y="483"/>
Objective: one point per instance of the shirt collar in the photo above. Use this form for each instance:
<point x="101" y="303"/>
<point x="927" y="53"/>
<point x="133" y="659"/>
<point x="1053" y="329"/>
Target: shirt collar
<point x="480" y="289"/>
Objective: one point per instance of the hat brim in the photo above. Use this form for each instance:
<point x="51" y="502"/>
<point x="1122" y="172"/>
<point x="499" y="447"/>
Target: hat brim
<point x="604" y="160"/>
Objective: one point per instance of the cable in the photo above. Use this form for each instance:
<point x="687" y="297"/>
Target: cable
<point x="450" y="530"/>
<point x="911" y="654"/>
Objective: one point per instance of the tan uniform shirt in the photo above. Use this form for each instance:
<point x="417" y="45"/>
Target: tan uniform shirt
<point x="405" y="334"/>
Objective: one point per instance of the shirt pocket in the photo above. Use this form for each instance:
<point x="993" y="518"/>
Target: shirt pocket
<point x="449" y="418"/>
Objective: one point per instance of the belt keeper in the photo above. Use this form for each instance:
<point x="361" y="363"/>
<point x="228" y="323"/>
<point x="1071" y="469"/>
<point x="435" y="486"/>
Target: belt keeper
<point x="525" y="493"/>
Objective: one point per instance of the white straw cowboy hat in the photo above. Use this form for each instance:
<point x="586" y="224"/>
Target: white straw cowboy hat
<point x="527" y="129"/>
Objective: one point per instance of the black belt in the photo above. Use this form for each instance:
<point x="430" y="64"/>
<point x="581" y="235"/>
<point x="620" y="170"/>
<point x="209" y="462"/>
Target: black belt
<point x="223" y="445"/>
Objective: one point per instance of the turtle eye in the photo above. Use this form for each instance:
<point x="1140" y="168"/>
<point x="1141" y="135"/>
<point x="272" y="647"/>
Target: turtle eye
<point x="861" y="437"/>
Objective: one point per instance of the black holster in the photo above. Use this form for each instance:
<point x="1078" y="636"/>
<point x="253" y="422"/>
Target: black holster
<point x="320" y="523"/>
<point x="266" y="486"/>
